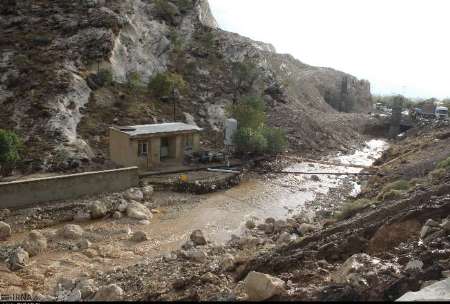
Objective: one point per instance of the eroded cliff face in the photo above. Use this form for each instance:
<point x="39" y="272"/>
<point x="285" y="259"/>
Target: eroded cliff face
<point x="50" y="49"/>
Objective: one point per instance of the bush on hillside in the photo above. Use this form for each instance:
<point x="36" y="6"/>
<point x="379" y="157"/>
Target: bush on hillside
<point x="163" y="84"/>
<point x="252" y="135"/>
<point x="276" y="140"/>
<point x="10" y="145"/>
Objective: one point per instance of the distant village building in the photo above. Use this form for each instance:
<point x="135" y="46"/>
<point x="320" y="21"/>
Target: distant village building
<point x="150" y="146"/>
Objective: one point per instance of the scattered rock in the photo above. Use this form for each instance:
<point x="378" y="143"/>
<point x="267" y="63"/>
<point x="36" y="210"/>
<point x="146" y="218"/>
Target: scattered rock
<point x="169" y="257"/>
<point x="138" y="211"/>
<point x="188" y="245"/>
<point x="84" y="244"/>
<point x="82" y="216"/>
<point x="446" y="225"/>
<point x="139" y="236"/>
<point x="426" y="230"/>
<point x="414" y="265"/>
<point x="134" y="194"/>
<point x="270" y="220"/>
<point x="98" y="210"/>
<point x="19" y="259"/>
<point x="248" y="242"/>
<point x="210" y="278"/>
<point x="5" y="231"/>
<point x="109" y="293"/>
<point x="144" y="222"/>
<point x="35" y="244"/>
<point x="71" y="232"/>
<point x="228" y="262"/>
<point x="198" y="238"/>
<point x="195" y="255"/>
<point x="117" y="215"/>
<point x="260" y="286"/>
<point x="250" y="224"/>
<point x="284" y="238"/>
<point x="315" y="178"/>
<point x="73" y="296"/>
<point x="269" y="228"/>
<point x="306" y="228"/>
<point x="86" y="287"/>
<point x="279" y="226"/>
<point x="123" y="204"/>
<point x="432" y="223"/>
<point x="147" y="191"/>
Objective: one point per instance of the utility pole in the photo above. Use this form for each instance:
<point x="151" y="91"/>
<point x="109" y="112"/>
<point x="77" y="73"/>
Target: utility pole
<point x="175" y="97"/>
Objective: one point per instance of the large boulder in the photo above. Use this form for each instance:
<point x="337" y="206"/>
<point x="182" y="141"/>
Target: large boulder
<point x="139" y="236"/>
<point x="439" y="291"/>
<point x="98" y="210"/>
<point x="228" y="262"/>
<point x="109" y="293"/>
<point x="260" y="286"/>
<point x="134" y="194"/>
<point x="5" y="231"/>
<point x="147" y="191"/>
<point x="306" y="228"/>
<point x="35" y="244"/>
<point x="138" y="211"/>
<point x="71" y="232"/>
<point x="18" y="259"/>
<point x="195" y="255"/>
<point x="198" y="238"/>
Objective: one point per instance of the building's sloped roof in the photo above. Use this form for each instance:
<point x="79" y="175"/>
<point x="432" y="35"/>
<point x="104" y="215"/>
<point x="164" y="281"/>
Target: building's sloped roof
<point x="174" y="127"/>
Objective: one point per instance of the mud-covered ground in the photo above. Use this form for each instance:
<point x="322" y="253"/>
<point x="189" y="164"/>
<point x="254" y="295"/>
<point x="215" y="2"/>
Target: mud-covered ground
<point x="221" y="216"/>
<point x="390" y="239"/>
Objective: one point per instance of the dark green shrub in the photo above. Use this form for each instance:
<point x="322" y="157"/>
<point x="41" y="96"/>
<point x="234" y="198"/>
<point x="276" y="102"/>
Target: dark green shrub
<point x="166" y="10"/>
<point x="10" y="145"/>
<point x="163" y="84"/>
<point x="183" y="5"/>
<point x="248" y="140"/>
<point x="249" y="112"/>
<point x="276" y="140"/>
<point x="134" y="80"/>
<point x="445" y="164"/>
<point x="252" y="135"/>
<point x="352" y="208"/>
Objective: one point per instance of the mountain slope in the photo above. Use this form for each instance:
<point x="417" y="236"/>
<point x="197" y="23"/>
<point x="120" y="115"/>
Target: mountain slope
<point x="51" y="50"/>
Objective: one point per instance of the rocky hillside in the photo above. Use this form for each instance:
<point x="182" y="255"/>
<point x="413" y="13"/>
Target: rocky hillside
<point x="51" y="51"/>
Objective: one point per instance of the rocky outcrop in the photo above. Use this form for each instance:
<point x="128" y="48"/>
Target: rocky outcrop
<point x="49" y="51"/>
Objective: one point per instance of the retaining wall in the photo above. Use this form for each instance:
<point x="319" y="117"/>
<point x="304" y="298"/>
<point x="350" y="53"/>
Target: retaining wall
<point x="19" y="194"/>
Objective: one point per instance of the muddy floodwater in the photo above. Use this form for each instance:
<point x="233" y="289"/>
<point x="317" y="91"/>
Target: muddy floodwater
<point x="218" y="215"/>
<point x="222" y="214"/>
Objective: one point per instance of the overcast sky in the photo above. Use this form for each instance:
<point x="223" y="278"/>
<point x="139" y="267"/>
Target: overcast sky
<point x="400" y="46"/>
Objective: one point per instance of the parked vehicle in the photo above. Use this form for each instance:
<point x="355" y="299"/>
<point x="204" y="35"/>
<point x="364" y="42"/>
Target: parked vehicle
<point x="441" y="112"/>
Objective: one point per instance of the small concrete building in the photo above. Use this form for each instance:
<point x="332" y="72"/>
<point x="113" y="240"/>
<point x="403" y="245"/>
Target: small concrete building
<point x="153" y="146"/>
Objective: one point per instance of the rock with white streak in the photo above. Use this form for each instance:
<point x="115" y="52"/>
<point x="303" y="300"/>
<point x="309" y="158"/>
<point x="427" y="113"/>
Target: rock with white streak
<point x="5" y="231"/>
<point x="261" y="287"/>
<point x="138" y="211"/>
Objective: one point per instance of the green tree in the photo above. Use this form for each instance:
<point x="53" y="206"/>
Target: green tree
<point x="10" y="145"/>
<point x="250" y="140"/>
<point x="276" y="140"/>
<point x="134" y="80"/>
<point x="163" y="84"/>
<point x="252" y="135"/>
<point x="244" y="75"/>
<point x="249" y="112"/>
<point x="166" y="10"/>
